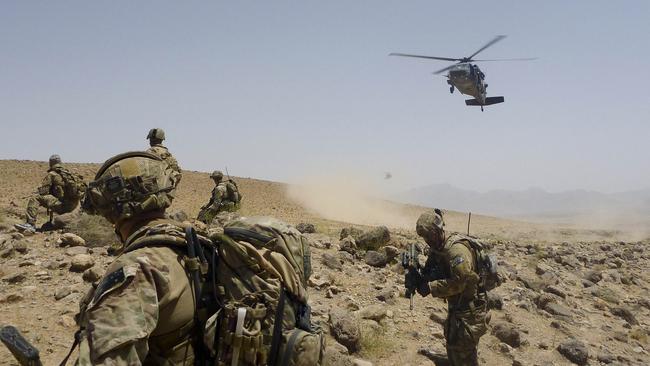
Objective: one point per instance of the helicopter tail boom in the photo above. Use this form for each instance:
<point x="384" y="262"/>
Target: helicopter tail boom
<point x="488" y="101"/>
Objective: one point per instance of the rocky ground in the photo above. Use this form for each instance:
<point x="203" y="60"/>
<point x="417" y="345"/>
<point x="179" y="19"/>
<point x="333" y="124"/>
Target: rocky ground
<point x="570" y="296"/>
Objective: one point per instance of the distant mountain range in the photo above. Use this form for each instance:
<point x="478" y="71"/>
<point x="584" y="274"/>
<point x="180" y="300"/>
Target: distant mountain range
<point x="528" y="203"/>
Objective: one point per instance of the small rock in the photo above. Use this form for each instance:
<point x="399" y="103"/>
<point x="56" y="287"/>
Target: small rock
<point x="606" y="357"/>
<point x="71" y="240"/>
<point x="306" y="228"/>
<point x="81" y="262"/>
<point x="14" y="278"/>
<point x="11" y="298"/>
<point x="67" y="321"/>
<point x="350" y="231"/>
<point x="555" y="291"/>
<point x="76" y="251"/>
<point x="360" y="362"/>
<point x="387" y="296"/>
<point x="178" y="215"/>
<point x="574" y="351"/>
<point x="494" y="301"/>
<point x="92" y="274"/>
<point x="507" y="334"/>
<point x="21" y="247"/>
<point x="61" y="293"/>
<point x="542" y="268"/>
<point x="594" y="276"/>
<point x="626" y="314"/>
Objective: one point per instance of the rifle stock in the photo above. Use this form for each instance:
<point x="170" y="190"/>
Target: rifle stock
<point x="20" y="348"/>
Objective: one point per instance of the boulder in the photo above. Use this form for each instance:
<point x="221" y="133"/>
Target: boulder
<point x="374" y="238"/>
<point x="391" y="252"/>
<point x="350" y="231"/>
<point x="375" y="259"/>
<point x="64" y="220"/>
<point x="332" y="261"/>
<point x="574" y="351"/>
<point x="306" y="228"/>
<point x="348" y="244"/>
<point x="71" y="240"/>
<point x="507" y="334"/>
<point x="81" y="262"/>
<point x="345" y="329"/>
<point x="375" y="312"/>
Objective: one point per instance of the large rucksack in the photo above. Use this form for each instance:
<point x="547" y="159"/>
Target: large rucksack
<point x="486" y="263"/>
<point x="252" y="282"/>
<point x="232" y="192"/>
<point x="73" y="184"/>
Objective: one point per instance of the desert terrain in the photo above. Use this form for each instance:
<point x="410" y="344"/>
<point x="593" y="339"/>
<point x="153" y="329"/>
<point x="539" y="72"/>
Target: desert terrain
<point x="571" y="295"/>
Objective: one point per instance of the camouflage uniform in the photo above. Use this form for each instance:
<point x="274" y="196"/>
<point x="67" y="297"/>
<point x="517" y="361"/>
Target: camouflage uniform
<point x="142" y="310"/>
<point x="163" y="153"/>
<point x="51" y="195"/>
<point x="220" y="200"/>
<point x="467" y="316"/>
<point x="156" y="136"/>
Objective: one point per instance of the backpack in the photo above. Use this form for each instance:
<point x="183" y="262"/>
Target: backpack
<point x="252" y="285"/>
<point x="73" y="184"/>
<point x="486" y="263"/>
<point x="232" y="191"/>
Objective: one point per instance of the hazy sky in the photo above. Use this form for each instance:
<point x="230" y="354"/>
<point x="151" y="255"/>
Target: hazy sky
<point x="279" y="90"/>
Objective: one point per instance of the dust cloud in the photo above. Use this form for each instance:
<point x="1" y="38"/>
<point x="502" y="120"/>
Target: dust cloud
<point x="350" y="198"/>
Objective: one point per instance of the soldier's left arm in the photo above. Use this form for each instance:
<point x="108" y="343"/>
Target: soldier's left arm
<point x="122" y="313"/>
<point x="461" y="273"/>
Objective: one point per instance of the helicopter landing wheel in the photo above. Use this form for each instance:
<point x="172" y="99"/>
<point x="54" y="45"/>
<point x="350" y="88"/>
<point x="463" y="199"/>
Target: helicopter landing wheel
<point x="451" y="89"/>
<point x="481" y="108"/>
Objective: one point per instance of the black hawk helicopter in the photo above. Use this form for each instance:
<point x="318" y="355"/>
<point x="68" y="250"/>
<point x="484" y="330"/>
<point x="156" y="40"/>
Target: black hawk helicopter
<point x="467" y="77"/>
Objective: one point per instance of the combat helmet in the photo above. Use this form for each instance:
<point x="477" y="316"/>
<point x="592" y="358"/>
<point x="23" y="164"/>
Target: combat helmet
<point x="430" y="223"/>
<point x="217" y="174"/>
<point x="55" y="159"/>
<point x="156" y="134"/>
<point x="130" y="184"/>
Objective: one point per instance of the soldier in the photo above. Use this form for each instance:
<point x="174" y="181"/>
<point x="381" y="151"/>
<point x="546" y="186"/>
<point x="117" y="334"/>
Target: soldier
<point x="156" y="136"/>
<point x="142" y="311"/>
<point x="467" y="316"/>
<point x="225" y="197"/>
<point x="59" y="193"/>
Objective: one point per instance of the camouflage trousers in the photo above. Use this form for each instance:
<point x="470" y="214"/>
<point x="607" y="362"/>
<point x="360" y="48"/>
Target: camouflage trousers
<point x="207" y="214"/>
<point x="48" y="201"/>
<point x="463" y="330"/>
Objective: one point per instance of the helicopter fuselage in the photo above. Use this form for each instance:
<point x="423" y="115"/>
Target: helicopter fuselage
<point x="469" y="80"/>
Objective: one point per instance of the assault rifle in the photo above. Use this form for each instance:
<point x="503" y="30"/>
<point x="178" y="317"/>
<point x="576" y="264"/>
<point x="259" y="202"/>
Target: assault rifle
<point x="415" y="272"/>
<point x="23" y="351"/>
<point x="411" y="264"/>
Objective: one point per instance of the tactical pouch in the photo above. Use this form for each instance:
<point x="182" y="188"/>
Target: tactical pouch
<point x="240" y="334"/>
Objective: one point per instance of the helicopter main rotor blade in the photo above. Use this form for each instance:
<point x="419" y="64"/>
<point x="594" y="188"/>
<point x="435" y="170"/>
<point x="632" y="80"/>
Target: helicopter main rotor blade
<point x="495" y="40"/>
<point x="443" y="70"/>
<point x="427" y="57"/>
<point x="509" y="59"/>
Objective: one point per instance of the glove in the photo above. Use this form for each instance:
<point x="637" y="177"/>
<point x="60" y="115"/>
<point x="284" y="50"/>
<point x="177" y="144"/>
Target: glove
<point x="423" y="288"/>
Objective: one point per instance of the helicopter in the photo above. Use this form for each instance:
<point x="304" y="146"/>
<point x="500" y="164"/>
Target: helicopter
<point x="467" y="77"/>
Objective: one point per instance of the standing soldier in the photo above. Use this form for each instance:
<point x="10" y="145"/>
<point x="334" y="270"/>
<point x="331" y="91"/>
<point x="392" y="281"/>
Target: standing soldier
<point x="225" y="197"/>
<point x="143" y="310"/>
<point x="156" y="136"/>
<point x="455" y="257"/>
<point x="59" y="193"/>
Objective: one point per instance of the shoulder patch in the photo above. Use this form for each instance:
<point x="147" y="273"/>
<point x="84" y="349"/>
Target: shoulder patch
<point x="456" y="261"/>
<point x="109" y="282"/>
